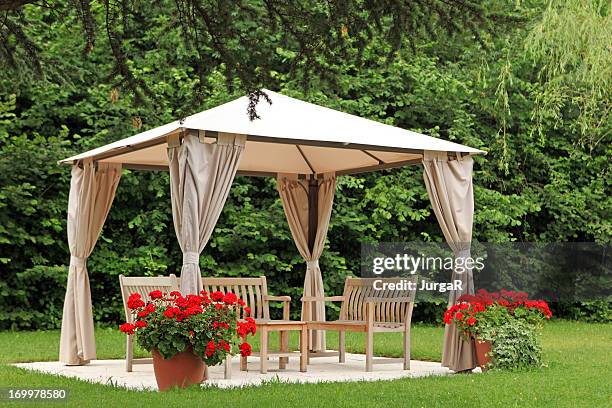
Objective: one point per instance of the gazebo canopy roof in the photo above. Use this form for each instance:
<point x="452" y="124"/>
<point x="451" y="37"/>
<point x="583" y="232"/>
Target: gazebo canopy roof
<point x="292" y="136"/>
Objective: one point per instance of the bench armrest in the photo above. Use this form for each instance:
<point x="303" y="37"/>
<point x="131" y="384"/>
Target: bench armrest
<point x="324" y="299"/>
<point x="404" y="299"/>
<point x="286" y="303"/>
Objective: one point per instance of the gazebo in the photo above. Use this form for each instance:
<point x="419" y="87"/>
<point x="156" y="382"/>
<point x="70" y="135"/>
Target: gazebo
<point x="305" y="147"/>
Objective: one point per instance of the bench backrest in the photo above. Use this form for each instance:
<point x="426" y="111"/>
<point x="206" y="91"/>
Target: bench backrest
<point x="358" y="290"/>
<point x="252" y="290"/>
<point x="144" y="286"/>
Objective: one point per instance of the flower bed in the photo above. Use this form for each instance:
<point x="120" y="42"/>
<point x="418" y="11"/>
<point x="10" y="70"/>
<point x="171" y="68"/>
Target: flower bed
<point x="509" y="321"/>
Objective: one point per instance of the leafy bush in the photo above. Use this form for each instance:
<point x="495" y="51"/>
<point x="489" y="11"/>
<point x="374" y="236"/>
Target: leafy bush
<point x="538" y="181"/>
<point x="597" y="311"/>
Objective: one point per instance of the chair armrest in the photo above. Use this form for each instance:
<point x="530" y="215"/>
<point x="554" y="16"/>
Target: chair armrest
<point x="404" y="299"/>
<point x="278" y="298"/>
<point x="286" y="304"/>
<point x="324" y="299"/>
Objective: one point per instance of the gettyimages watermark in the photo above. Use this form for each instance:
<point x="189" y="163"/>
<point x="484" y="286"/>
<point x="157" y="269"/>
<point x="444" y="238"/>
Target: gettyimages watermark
<point x="551" y="271"/>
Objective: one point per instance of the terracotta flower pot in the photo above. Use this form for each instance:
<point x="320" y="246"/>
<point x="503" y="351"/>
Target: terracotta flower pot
<point x="482" y="349"/>
<point x="182" y="370"/>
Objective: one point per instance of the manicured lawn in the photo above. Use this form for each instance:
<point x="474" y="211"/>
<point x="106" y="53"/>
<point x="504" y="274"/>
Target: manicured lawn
<point x="578" y="372"/>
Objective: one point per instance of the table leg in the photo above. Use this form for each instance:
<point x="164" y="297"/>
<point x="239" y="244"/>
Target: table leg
<point x="263" y="352"/>
<point x="303" y="349"/>
<point x="284" y="347"/>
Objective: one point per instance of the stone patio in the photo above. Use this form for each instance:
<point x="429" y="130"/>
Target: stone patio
<point x="323" y="369"/>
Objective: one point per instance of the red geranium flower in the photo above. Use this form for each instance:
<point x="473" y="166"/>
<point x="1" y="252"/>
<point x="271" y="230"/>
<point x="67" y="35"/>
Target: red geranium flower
<point x="245" y="349"/>
<point x="127" y="328"/>
<point x="471" y="321"/>
<point x="135" y="301"/>
<point x="210" y="348"/>
<point x="216" y="296"/>
<point x="140" y="324"/>
<point x="156" y="294"/>
<point x="230" y="298"/>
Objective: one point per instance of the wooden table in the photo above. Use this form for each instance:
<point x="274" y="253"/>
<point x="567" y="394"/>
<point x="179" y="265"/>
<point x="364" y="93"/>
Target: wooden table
<point x="283" y="327"/>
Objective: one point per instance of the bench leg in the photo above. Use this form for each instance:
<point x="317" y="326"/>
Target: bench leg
<point x="263" y="352"/>
<point x="341" y="346"/>
<point x="284" y="347"/>
<point x="129" y="353"/>
<point x="369" y="350"/>
<point x="228" y="368"/>
<point x="303" y="349"/>
<point x="243" y="363"/>
<point x="407" y="348"/>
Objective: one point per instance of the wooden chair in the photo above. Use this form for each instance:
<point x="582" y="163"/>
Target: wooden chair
<point x="142" y="285"/>
<point x="370" y="311"/>
<point x="254" y="292"/>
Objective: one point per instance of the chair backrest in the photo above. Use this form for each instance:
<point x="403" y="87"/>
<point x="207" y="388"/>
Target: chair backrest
<point x="144" y="285"/>
<point x="252" y="291"/>
<point x="358" y="290"/>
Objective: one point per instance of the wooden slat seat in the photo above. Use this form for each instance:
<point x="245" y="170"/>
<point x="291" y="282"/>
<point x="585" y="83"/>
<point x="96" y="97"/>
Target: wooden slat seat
<point x="365" y="309"/>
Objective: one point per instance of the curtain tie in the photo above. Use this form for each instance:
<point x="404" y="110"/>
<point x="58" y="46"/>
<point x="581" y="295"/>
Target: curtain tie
<point x="312" y="264"/>
<point x="462" y="253"/>
<point x="78" y="261"/>
<point x="191" y="258"/>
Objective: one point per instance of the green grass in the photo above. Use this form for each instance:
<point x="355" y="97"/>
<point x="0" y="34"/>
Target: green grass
<point x="578" y="373"/>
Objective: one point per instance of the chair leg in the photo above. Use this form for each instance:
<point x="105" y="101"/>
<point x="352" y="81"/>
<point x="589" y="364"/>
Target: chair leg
<point x="369" y="350"/>
<point x="284" y="347"/>
<point x="303" y="349"/>
<point x="308" y="346"/>
<point x="129" y="354"/>
<point x="263" y="352"/>
<point x="407" y="347"/>
<point x="341" y="346"/>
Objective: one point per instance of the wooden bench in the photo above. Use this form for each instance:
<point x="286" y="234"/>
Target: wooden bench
<point x="254" y="292"/>
<point x="142" y="285"/>
<point x="370" y="311"/>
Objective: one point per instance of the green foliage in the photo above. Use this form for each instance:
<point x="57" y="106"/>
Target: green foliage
<point x="599" y="311"/>
<point x="515" y="345"/>
<point x="538" y="182"/>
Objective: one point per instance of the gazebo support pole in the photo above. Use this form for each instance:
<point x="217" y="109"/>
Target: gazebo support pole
<point x="313" y="221"/>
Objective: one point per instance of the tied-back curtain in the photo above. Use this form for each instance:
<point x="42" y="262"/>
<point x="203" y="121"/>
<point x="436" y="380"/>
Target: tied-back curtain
<point x="201" y="175"/>
<point x="92" y="191"/>
<point x="294" y="196"/>
<point x="449" y="185"/>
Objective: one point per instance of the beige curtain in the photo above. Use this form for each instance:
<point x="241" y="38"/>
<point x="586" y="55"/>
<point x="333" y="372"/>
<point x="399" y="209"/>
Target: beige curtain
<point x="201" y="175"/>
<point x="449" y="185"/>
<point x="91" y="195"/>
<point x="294" y="196"/>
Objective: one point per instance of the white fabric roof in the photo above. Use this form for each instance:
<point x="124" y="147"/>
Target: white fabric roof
<point x="292" y="136"/>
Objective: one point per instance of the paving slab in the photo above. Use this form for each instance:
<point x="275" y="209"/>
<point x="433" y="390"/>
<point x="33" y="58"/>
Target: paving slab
<point x="321" y="369"/>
